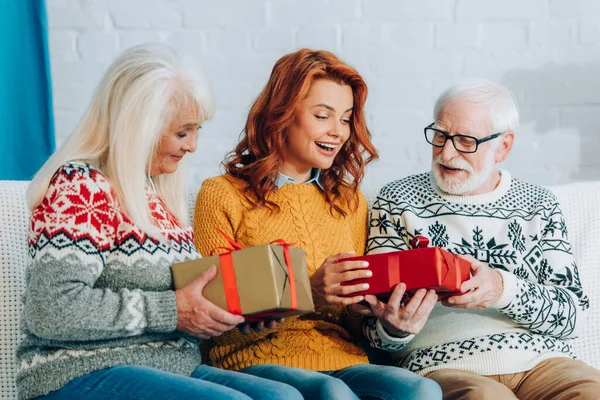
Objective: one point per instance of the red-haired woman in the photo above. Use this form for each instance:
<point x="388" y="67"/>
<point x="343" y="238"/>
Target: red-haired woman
<point x="295" y="175"/>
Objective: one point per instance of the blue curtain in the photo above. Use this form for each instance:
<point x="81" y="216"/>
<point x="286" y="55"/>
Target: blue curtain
<point x="26" y="121"/>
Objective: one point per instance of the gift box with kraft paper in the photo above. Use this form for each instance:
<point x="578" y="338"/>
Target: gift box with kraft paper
<point x="428" y="268"/>
<point x="260" y="275"/>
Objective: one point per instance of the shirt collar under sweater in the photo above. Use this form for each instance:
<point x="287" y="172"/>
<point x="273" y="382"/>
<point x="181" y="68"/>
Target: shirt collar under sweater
<point x="315" y="177"/>
<point x="496" y="194"/>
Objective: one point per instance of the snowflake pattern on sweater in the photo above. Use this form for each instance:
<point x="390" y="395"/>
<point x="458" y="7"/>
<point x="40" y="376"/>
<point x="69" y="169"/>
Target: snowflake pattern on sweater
<point x="80" y="198"/>
<point x="521" y="233"/>
<point x="99" y="290"/>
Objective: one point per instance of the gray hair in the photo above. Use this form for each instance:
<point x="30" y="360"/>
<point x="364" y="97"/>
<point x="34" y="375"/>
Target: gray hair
<point x="501" y="103"/>
<point x="139" y="95"/>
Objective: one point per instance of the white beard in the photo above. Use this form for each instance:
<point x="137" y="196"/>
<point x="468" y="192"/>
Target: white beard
<point x="455" y="186"/>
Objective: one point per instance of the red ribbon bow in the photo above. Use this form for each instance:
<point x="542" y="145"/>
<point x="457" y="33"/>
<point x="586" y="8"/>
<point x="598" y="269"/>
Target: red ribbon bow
<point x="419" y="242"/>
<point x="229" y="280"/>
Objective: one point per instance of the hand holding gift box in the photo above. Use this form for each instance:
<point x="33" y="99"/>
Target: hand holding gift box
<point x="423" y="267"/>
<point x="260" y="283"/>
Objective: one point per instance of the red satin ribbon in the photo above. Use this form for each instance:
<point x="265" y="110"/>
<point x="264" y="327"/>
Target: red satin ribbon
<point x="419" y="242"/>
<point x="230" y="285"/>
<point x="288" y="262"/>
<point x="229" y="280"/>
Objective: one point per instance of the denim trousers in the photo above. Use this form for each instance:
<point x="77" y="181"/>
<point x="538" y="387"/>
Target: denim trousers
<point x="137" y="382"/>
<point x="365" y="381"/>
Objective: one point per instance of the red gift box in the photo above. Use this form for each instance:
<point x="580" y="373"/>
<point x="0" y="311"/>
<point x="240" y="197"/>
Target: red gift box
<point x="422" y="267"/>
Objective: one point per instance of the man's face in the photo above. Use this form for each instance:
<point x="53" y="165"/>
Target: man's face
<point x="465" y="173"/>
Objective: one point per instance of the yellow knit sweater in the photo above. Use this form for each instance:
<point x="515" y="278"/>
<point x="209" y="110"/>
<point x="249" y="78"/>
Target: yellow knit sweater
<point x="315" y="341"/>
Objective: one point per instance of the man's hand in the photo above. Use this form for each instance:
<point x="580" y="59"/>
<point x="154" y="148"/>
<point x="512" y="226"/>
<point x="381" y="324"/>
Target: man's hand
<point x="401" y="320"/>
<point x="326" y="282"/>
<point x="481" y="291"/>
<point x="199" y="317"/>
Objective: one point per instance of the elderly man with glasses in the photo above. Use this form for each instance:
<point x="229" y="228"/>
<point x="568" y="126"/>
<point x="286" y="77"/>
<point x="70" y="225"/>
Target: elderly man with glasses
<point x="508" y="335"/>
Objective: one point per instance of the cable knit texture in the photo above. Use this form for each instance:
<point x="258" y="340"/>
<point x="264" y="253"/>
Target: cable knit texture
<point x="99" y="291"/>
<point x="315" y="341"/>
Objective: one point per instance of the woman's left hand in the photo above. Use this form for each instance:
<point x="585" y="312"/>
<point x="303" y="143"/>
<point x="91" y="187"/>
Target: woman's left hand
<point x="326" y="282"/>
<point x="248" y="327"/>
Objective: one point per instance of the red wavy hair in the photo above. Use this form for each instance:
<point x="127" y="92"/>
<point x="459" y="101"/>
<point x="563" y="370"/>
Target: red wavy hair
<point x="258" y="156"/>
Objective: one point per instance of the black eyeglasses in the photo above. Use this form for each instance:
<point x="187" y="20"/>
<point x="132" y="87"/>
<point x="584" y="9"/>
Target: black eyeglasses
<point x="462" y="143"/>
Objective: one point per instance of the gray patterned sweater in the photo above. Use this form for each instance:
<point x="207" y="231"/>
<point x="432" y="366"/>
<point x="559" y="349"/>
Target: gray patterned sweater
<point x="99" y="290"/>
<point x="519" y="230"/>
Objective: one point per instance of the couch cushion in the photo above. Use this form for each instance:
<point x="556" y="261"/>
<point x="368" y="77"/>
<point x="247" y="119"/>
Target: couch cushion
<point x="580" y="203"/>
<point x="13" y="260"/>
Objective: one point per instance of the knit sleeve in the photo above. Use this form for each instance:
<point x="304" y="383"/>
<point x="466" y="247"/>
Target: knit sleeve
<point x="553" y="303"/>
<point x="360" y="225"/>
<point x="214" y="210"/>
<point x="378" y="338"/>
<point x="71" y="234"/>
<point x="384" y="235"/>
<point x="386" y="230"/>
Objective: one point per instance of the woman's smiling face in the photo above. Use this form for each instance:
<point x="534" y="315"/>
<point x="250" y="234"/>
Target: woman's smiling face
<point x="320" y="129"/>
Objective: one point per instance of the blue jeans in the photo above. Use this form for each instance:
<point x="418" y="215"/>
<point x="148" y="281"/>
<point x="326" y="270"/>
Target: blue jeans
<point x="137" y="382"/>
<point x="365" y="381"/>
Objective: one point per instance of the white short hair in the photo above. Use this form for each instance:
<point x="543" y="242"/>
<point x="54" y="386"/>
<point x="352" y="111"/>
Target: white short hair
<point x="501" y="103"/>
<point x="137" y="98"/>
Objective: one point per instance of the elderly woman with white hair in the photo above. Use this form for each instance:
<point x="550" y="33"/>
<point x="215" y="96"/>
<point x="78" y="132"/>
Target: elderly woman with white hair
<point x="108" y="219"/>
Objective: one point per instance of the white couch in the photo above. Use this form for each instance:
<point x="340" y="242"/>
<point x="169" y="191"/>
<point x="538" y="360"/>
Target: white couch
<point x="580" y="202"/>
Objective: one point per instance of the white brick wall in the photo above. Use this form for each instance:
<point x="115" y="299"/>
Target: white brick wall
<point x="547" y="51"/>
